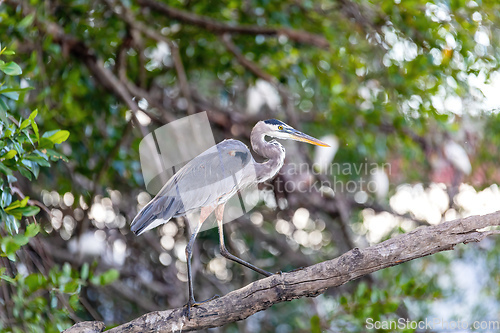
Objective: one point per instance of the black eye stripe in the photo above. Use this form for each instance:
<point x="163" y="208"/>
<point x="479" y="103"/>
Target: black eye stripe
<point x="273" y="122"/>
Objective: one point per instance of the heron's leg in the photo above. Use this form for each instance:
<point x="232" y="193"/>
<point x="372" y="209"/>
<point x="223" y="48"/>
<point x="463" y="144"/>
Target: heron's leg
<point x="219" y="213"/>
<point x="205" y="212"/>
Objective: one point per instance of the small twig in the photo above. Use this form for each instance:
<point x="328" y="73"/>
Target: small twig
<point x="31" y="202"/>
<point x="248" y="64"/>
<point x="285" y="95"/>
<point x="181" y="75"/>
<point x="126" y="15"/>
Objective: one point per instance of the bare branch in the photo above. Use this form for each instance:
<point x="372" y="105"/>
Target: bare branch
<point x="86" y="327"/>
<point x="314" y="280"/>
<point x="126" y="15"/>
<point x="248" y="64"/>
<point x="285" y="95"/>
<point x="212" y="25"/>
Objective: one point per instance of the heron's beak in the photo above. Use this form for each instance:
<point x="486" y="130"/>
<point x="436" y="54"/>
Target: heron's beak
<point x="299" y="136"/>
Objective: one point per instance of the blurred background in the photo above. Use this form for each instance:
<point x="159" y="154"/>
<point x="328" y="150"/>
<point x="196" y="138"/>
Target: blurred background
<point x="406" y="93"/>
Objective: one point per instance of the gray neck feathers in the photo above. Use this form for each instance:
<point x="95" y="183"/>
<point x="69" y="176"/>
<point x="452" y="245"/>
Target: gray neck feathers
<point x="272" y="150"/>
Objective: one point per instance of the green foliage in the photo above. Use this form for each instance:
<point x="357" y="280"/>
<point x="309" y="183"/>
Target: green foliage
<point x="105" y="278"/>
<point x="10" y="245"/>
<point x="39" y="301"/>
<point x="43" y="301"/>
<point x="22" y="151"/>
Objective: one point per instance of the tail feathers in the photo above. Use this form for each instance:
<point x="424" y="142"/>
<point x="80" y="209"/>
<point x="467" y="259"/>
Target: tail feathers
<point x="156" y="212"/>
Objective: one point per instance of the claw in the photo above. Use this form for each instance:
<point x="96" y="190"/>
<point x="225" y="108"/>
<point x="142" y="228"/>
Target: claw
<point x="208" y="299"/>
<point x="187" y="310"/>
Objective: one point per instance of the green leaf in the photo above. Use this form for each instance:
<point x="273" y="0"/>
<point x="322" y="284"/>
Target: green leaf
<point x="16" y="212"/>
<point x="8" y="279"/>
<point x="32" y="230"/>
<point x="5" y="198"/>
<point x="10" y="154"/>
<point x="24" y="124"/>
<point x="12" y="226"/>
<point x="5" y="170"/>
<point x="106" y="277"/>
<point x="25" y="172"/>
<point x="45" y="143"/>
<point x="11" y="68"/>
<point x="12" y="95"/>
<point x="9" y="247"/>
<point x="35" y="281"/>
<point x="57" y="136"/>
<point x="3" y="113"/>
<point x="109" y="276"/>
<point x="35" y="127"/>
<point x="32" y="166"/>
<point x="71" y="287"/>
<point x="38" y="159"/>
<point x="21" y="240"/>
<point x="3" y="109"/>
<point x="315" y="324"/>
<point x="33" y="114"/>
<point x="84" y="274"/>
<point x="26" y="21"/>
<point x="12" y="206"/>
<point x="55" y="155"/>
<point x="30" y="210"/>
<point x="7" y="90"/>
<point x="66" y="269"/>
<point x="24" y="201"/>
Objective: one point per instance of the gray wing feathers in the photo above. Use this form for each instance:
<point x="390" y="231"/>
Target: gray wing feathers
<point x="163" y="208"/>
<point x="203" y="181"/>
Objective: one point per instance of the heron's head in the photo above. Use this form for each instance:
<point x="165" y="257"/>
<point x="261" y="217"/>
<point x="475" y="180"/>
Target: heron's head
<point x="278" y="129"/>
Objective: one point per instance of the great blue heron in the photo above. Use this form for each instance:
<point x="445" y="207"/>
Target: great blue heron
<point x="209" y="180"/>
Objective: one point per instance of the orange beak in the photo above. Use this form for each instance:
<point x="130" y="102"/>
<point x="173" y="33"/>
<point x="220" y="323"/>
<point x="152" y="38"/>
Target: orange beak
<point x="299" y="136"/>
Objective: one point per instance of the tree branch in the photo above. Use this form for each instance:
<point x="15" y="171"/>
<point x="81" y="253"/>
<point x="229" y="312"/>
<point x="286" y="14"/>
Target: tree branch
<point x="285" y="95"/>
<point x="314" y="280"/>
<point x="127" y="16"/>
<point x="212" y="25"/>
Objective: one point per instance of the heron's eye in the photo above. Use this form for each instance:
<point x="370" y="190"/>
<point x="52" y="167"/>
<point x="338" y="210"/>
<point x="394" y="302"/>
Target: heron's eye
<point x="280" y="128"/>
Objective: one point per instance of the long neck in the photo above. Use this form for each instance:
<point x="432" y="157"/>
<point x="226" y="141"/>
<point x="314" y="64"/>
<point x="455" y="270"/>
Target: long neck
<point x="272" y="150"/>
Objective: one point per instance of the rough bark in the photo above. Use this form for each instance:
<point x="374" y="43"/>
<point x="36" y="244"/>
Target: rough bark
<point x="86" y="327"/>
<point x="314" y="280"/>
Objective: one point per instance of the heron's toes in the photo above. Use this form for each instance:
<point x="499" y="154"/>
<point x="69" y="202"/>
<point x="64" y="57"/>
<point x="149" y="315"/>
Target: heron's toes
<point x="187" y="309"/>
<point x="192" y="303"/>
<point x="207" y="300"/>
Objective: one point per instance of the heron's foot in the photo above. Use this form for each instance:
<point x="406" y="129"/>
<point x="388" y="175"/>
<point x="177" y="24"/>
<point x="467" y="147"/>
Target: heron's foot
<point x="297" y="269"/>
<point x="187" y="308"/>
<point x="208" y="299"/>
<point x="192" y="303"/>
